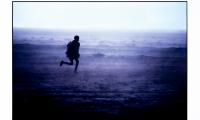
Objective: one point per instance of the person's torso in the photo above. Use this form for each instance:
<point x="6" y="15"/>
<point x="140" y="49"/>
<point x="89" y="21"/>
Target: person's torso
<point x="74" y="47"/>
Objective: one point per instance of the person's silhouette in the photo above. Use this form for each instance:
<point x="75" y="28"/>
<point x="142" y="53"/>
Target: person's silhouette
<point x="72" y="52"/>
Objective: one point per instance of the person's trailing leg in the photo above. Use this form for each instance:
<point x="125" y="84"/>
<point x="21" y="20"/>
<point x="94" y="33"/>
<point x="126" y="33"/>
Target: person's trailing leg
<point x="68" y="63"/>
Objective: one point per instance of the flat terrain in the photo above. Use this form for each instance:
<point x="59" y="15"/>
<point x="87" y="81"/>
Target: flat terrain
<point x="106" y="87"/>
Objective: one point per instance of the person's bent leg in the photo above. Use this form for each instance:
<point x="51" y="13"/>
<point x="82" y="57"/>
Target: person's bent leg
<point x="68" y="63"/>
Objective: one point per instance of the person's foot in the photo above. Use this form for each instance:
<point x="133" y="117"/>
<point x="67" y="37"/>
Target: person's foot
<point x="61" y="62"/>
<point x="75" y="71"/>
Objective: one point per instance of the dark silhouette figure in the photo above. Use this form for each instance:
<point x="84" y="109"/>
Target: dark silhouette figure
<point x="72" y="52"/>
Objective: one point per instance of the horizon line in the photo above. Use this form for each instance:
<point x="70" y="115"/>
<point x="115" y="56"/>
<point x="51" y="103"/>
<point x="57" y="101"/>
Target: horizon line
<point x="134" y="30"/>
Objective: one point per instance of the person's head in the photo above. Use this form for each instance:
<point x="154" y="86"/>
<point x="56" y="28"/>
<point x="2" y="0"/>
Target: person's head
<point x="76" y="38"/>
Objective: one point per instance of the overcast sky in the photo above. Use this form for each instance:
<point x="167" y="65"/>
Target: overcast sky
<point x="100" y="15"/>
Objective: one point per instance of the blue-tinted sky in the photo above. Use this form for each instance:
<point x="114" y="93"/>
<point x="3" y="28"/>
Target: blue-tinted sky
<point x="100" y="16"/>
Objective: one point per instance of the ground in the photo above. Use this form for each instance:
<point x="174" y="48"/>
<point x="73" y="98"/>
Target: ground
<point x="106" y="87"/>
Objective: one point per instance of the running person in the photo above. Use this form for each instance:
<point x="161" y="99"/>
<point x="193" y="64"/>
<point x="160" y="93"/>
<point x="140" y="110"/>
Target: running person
<point x="72" y="52"/>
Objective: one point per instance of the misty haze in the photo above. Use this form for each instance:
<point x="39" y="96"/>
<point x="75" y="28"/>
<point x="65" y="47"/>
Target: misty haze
<point x="122" y="74"/>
